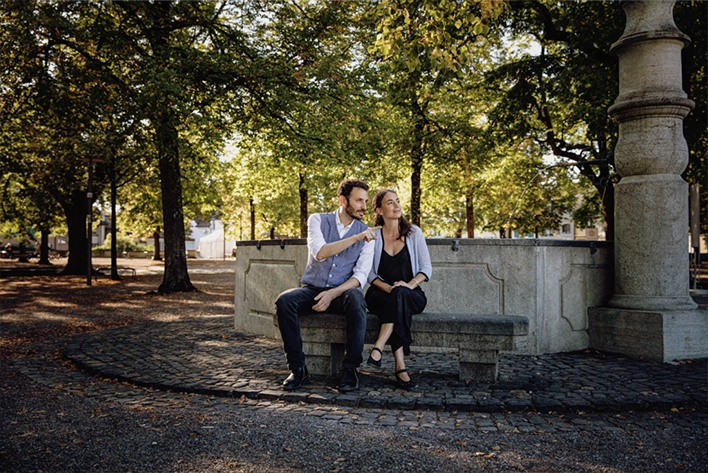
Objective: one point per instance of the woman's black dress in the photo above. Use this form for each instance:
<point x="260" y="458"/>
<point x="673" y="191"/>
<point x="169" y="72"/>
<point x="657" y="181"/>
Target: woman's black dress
<point x="401" y="303"/>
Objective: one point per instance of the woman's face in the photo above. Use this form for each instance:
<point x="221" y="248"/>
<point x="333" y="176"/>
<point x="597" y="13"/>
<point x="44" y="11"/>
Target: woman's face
<point x="390" y="206"/>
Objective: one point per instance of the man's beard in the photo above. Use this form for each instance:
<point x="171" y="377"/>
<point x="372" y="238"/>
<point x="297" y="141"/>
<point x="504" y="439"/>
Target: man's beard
<point x="351" y="212"/>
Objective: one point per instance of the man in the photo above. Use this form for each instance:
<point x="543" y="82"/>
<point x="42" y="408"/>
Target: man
<point x="340" y="252"/>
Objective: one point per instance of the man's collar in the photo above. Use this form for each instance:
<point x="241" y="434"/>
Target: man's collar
<point x="338" y="216"/>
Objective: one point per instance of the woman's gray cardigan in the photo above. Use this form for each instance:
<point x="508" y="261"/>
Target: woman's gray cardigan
<point x="417" y="248"/>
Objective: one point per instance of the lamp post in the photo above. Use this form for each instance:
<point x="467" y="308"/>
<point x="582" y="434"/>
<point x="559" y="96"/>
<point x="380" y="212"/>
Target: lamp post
<point x="89" y="211"/>
<point x="223" y="227"/>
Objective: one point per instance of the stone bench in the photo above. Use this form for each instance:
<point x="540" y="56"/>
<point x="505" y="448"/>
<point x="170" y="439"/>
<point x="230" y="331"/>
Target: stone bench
<point x="478" y="338"/>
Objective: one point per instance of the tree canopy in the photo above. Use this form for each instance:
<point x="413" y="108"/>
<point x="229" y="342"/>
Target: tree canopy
<point x="486" y="116"/>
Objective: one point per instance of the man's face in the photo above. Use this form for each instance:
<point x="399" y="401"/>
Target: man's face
<point x="356" y="203"/>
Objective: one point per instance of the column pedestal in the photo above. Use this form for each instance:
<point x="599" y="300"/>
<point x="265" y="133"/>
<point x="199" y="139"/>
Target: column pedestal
<point x="655" y="335"/>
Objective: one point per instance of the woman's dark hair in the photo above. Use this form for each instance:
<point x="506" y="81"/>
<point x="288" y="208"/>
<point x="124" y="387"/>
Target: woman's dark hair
<point x="404" y="228"/>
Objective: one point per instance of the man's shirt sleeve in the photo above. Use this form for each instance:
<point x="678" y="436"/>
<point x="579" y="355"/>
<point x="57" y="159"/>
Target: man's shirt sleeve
<point x="363" y="264"/>
<point x="315" y="239"/>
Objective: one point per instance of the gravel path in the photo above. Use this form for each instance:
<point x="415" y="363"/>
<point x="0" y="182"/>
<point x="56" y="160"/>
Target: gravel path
<point x="63" y="420"/>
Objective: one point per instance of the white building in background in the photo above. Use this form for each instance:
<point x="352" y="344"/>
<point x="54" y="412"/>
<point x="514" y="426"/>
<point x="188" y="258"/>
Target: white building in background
<point x="206" y="240"/>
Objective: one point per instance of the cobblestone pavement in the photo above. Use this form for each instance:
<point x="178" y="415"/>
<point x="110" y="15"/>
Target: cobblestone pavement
<point x="204" y="359"/>
<point x="203" y="363"/>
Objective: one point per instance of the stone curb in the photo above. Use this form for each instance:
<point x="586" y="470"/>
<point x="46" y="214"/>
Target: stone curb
<point x="206" y="356"/>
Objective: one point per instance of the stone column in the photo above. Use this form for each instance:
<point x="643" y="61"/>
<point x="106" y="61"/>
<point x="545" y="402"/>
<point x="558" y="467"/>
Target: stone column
<point x="651" y="313"/>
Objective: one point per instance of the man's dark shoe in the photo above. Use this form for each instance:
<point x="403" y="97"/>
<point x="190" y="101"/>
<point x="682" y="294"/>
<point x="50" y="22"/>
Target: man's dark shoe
<point x="349" y="381"/>
<point x="296" y="379"/>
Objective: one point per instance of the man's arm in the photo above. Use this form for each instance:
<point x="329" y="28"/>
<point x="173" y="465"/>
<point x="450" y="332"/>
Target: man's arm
<point x="325" y="298"/>
<point x="336" y="247"/>
<point x="358" y="279"/>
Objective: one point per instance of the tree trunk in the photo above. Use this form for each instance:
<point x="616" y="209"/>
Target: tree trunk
<point x="416" y="167"/>
<point x="608" y="209"/>
<point x="303" y="207"/>
<point x="418" y="119"/>
<point x="469" y="210"/>
<point x="176" y="276"/>
<point x="22" y="252"/>
<point x="44" y="247"/>
<point x="164" y="120"/>
<point x="253" y="219"/>
<point x="114" y="231"/>
<point x="75" y="213"/>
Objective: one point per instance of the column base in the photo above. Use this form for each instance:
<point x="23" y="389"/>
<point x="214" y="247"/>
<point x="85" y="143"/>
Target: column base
<point x="652" y="303"/>
<point x="655" y="335"/>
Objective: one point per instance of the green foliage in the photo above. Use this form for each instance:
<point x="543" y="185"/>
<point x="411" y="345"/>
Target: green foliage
<point x="123" y="244"/>
<point x="589" y="211"/>
<point x="692" y="18"/>
<point x="558" y="96"/>
<point x="449" y="102"/>
<point x="439" y="27"/>
<point x="521" y="194"/>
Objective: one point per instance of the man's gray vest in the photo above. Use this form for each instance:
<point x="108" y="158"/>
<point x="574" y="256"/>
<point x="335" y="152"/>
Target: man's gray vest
<point x="336" y="269"/>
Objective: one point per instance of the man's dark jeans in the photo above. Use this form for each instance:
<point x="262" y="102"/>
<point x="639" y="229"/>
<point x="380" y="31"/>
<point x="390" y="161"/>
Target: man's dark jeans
<point x="294" y="302"/>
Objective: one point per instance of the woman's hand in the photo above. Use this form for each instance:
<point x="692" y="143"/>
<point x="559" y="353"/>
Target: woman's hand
<point x="402" y="284"/>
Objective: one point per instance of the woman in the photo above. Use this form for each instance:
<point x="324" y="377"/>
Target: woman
<point x="401" y="265"/>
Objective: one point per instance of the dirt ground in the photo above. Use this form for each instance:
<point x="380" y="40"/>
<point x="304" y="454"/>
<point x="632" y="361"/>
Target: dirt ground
<point x="39" y="308"/>
<point x="90" y="424"/>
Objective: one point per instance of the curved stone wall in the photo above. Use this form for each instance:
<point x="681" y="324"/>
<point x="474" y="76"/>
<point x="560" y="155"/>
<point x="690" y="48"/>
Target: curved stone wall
<point x="552" y="282"/>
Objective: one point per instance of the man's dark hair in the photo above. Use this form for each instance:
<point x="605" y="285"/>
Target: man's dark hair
<point x="346" y="187"/>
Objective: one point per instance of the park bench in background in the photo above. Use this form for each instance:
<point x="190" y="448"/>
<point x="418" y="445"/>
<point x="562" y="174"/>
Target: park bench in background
<point x="106" y="271"/>
<point x="478" y="337"/>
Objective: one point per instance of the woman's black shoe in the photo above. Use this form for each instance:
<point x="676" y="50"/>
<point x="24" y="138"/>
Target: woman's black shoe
<point x="410" y="384"/>
<point x="372" y="362"/>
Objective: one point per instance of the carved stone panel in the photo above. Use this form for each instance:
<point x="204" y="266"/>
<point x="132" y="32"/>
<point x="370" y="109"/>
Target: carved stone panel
<point x="474" y="289"/>
<point x="265" y="280"/>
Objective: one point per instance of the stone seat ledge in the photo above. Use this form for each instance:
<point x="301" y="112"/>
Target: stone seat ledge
<point x="479" y="337"/>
